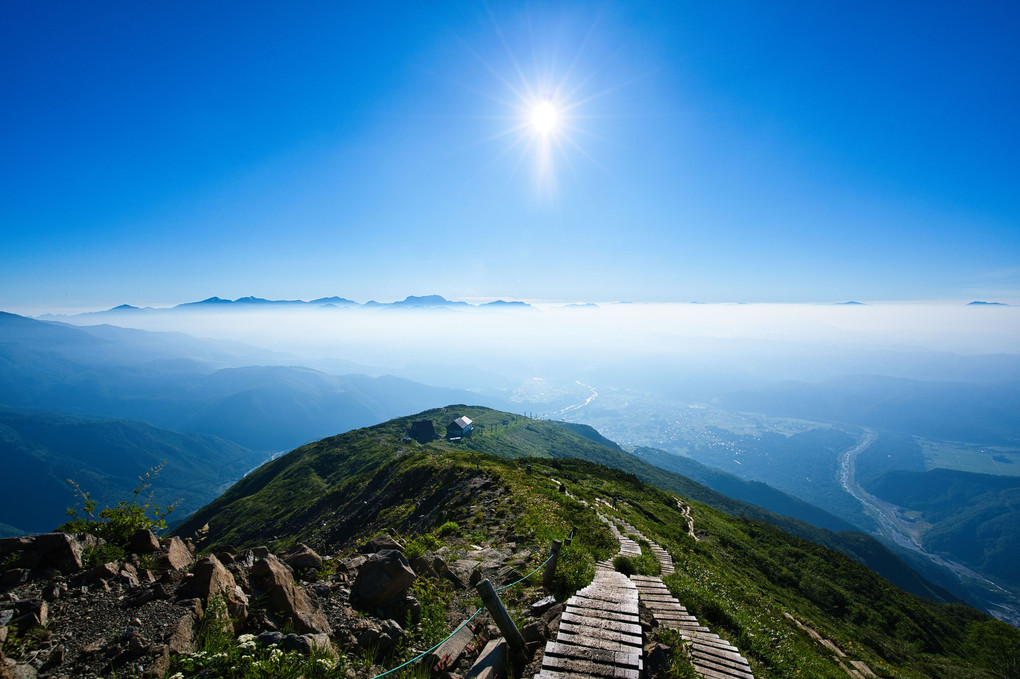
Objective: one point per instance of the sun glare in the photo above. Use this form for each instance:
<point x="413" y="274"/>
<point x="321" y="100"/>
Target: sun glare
<point x="543" y="117"/>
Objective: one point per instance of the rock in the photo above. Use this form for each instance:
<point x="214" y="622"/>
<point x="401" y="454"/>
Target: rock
<point x="303" y="557"/>
<point x="542" y="605"/>
<point x="423" y="567"/>
<point x="658" y="660"/>
<point x="404" y="608"/>
<point x="276" y="581"/>
<point x="181" y="638"/>
<point x="535" y="631"/>
<point x="58" y="550"/>
<point x="142" y="541"/>
<point x="177" y="556"/>
<point x="382" y="577"/>
<point x="30" y="613"/>
<point x="380" y="543"/>
<point x="211" y="578"/>
<point x="13" y="577"/>
<point x="107" y="571"/>
<point x="24" y="672"/>
<point x="441" y="568"/>
<point x="552" y="614"/>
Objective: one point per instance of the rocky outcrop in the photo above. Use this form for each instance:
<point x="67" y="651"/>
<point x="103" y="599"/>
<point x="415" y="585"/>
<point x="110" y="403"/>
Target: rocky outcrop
<point x="210" y="578"/>
<point x="276" y="581"/>
<point x="302" y="557"/>
<point x="382" y="578"/>
<point x="58" y="551"/>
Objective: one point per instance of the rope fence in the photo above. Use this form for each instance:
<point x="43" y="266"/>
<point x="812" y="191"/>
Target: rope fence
<point x="463" y="624"/>
<point x="500" y="589"/>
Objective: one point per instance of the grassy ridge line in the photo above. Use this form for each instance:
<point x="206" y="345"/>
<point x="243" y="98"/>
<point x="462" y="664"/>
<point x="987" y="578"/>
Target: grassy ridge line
<point x="740" y="578"/>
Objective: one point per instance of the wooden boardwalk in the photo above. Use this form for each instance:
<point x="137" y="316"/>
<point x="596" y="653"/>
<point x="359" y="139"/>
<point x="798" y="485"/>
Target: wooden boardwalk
<point x="712" y="657"/>
<point x="600" y="631"/>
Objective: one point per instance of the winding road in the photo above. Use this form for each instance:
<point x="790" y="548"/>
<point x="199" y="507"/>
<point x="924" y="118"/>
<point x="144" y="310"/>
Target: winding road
<point x="884" y="514"/>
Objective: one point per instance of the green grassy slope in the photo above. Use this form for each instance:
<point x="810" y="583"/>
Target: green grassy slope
<point x="742" y="577"/>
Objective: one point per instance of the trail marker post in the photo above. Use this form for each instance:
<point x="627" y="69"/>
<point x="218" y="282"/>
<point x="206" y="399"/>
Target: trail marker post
<point x="550" y="567"/>
<point x="502" y="619"/>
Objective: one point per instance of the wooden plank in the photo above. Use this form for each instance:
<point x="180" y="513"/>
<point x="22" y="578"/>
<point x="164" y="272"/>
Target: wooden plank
<point x="589" y="668"/>
<point x="707" y="672"/>
<point x="582" y="634"/>
<point x="728" y="653"/>
<point x="592" y="642"/>
<point x="556" y="674"/>
<point x="728" y="662"/>
<point x="624" y="658"/>
<point x="587" y="608"/>
<point x="601" y="623"/>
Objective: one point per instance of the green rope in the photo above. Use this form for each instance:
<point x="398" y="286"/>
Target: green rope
<point x="425" y="653"/>
<point x="500" y="589"/>
<point x="461" y="626"/>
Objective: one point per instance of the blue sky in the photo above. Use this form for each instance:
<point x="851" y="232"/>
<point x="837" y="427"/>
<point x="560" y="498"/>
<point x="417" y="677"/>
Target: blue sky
<point x="155" y="153"/>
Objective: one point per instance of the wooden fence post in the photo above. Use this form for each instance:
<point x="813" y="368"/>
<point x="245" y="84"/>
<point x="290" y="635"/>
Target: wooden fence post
<point x="550" y="567"/>
<point x="502" y="619"/>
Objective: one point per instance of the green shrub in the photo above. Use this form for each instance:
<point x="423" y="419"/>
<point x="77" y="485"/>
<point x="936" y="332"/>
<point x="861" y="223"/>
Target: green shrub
<point x="117" y="524"/>
<point x="449" y="528"/>
<point x="624" y="564"/>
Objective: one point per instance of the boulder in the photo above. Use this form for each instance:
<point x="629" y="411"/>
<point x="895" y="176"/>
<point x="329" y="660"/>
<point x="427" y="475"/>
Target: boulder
<point x="303" y="556"/>
<point x="380" y="543"/>
<point x="30" y="613"/>
<point x="177" y="556"/>
<point x="142" y="541"/>
<point x="542" y="605"/>
<point x="377" y="637"/>
<point x="381" y="579"/>
<point x="443" y="570"/>
<point x="535" y="631"/>
<point x="277" y="582"/>
<point x="659" y="660"/>
<point x="209" y="578"/>
<point x="106" y="571"/>
<point x="423" y="567"/>
<point x="58" y="550"/>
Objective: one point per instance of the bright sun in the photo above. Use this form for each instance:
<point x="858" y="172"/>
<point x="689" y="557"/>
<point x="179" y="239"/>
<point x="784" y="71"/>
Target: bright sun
<point x="543" y="117"/>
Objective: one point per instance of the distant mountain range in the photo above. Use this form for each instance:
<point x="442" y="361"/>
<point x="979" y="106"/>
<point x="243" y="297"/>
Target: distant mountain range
<point x="102" y="404"/>
<point x="220" y="304"/>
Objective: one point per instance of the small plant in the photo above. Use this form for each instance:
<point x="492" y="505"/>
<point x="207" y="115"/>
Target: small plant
<point x="100" y="554"/>
<point x="624" y="564"/>
<point x="418" y="546"/>
<point x="221" y="656"/>
<point x="117" y="524"/>
<point x="449" y="528"/>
